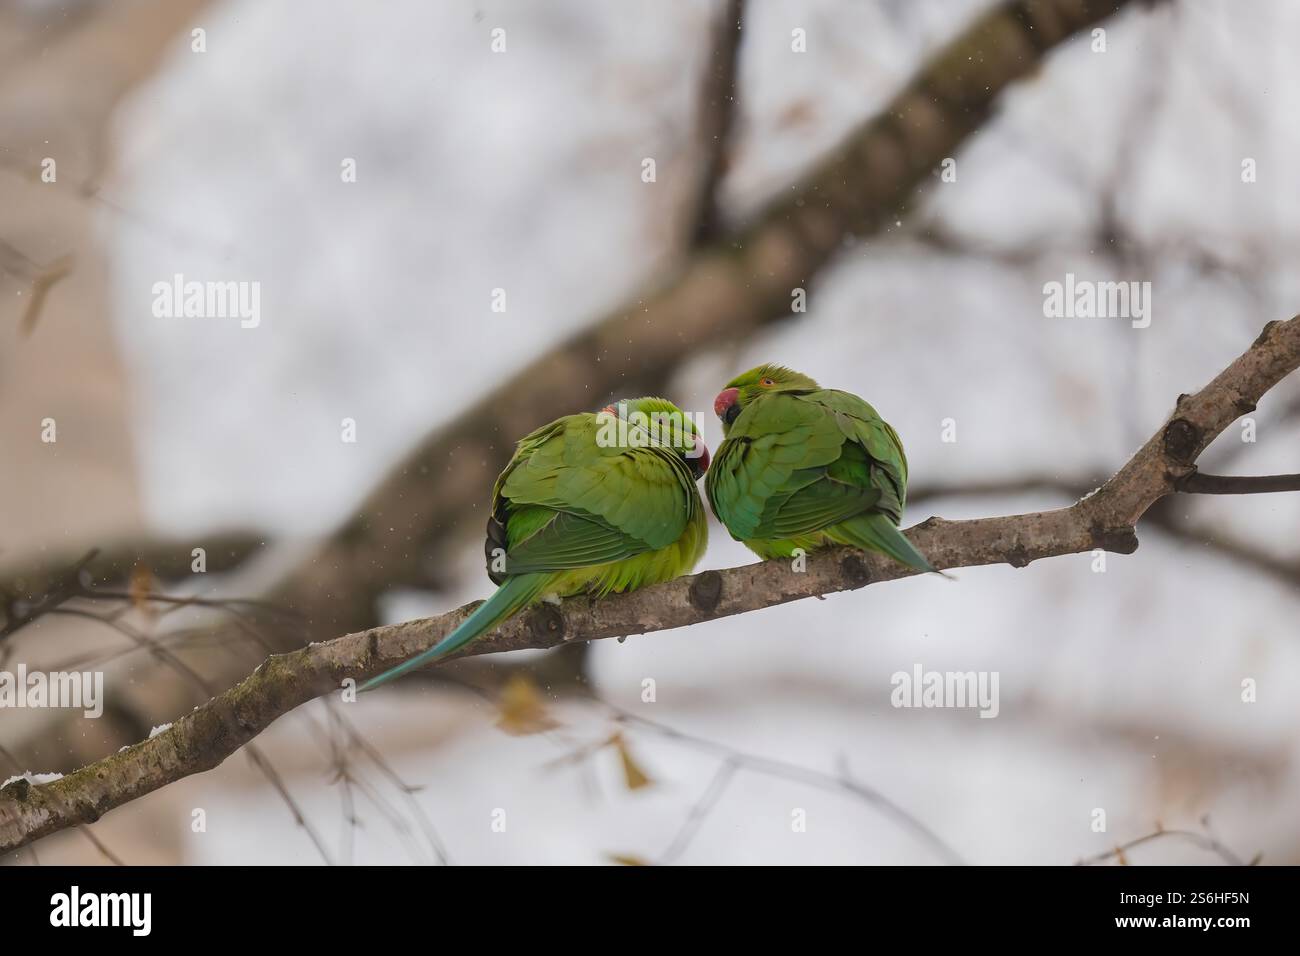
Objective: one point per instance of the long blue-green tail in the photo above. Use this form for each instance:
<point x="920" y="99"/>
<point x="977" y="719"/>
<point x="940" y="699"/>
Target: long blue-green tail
<point x="875" y="532"/>
<point x="517" y="591"/>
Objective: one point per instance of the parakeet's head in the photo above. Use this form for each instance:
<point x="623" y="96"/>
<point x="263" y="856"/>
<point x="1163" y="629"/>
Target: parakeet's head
<point x="755" y="383"/>
<point x="658" y="422"/>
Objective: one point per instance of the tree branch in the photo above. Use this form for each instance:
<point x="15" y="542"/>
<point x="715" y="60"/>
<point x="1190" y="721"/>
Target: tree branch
<point x="1160" y="515"/>
<point x="724" y="292"/>
<point x="1196" y="483"/>
<point x="716" y="118"/>
<point x="166" y="559"/>
<point x="1204" y="841"/>
<point x="1105" y="519"/>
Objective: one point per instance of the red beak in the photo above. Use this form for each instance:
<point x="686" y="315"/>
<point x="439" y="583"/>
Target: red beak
<point x="726" y="398"/>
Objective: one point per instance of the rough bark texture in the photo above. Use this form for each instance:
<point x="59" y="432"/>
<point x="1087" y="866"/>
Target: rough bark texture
<point x="1106" y="519"/>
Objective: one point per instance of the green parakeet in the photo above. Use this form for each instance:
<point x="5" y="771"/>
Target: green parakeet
<point x="591" y="503"/>
<point x="807" y="467"/>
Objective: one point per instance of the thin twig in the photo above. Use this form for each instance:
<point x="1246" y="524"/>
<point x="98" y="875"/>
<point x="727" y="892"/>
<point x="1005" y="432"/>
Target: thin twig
<point x="768" y="766"/>
<point x="1201" y="840"/>
<point x="100" y="846"/>
<point x="1197" y="483"/>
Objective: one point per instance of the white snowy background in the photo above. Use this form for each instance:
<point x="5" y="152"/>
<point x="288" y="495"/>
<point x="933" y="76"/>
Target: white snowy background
<point x="1119" y="690"/>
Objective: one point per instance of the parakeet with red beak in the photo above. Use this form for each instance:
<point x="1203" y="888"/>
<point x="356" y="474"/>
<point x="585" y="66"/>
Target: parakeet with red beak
<point x="589" y="504"/>
<point x="807" y="467"/>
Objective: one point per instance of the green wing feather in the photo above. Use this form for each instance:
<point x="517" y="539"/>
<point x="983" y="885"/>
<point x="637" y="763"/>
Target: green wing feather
<point x="822" y="462"/>
<point x="565" y="504"/>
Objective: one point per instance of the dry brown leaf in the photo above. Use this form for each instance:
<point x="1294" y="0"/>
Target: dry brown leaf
<point x="627" y="859"/>
<point x="523" y="709"/>
<point x="633" y="775"/>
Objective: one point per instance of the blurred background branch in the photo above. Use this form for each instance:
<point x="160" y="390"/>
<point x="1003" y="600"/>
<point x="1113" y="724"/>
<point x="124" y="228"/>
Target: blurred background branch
<point x="480" y="170"/>
<point x="717" y="117"/>
<point x="728" y="289"/>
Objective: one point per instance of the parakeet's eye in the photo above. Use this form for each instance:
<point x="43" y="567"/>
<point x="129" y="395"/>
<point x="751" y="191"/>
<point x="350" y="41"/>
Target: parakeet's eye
<point x="766" y="381"/>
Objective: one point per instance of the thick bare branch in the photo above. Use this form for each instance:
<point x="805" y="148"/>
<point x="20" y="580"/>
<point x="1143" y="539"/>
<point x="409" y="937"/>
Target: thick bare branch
<point x="1106" y="519"/>
<point x="716" y="118"/>
<point x="725" y="291"/>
